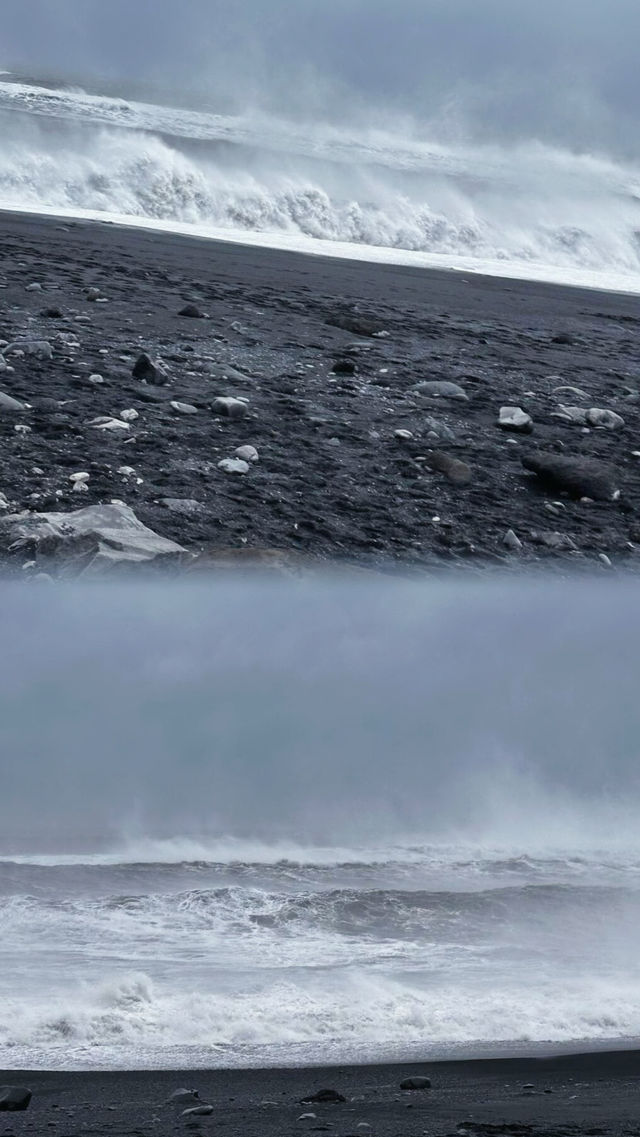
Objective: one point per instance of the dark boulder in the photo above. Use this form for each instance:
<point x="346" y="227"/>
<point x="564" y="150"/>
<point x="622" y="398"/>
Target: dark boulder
<point x="192" y="312"/>
<point x="455" y="471"/>
<point x="323" y="1096"/>
<point x="580" y="477"/>
<point x="416" y="1084"/>
<point x="357" y="325"/>
<point x="344" y="367"/>
<point x="149" y="371"/>
<point x="14" y="1099"/>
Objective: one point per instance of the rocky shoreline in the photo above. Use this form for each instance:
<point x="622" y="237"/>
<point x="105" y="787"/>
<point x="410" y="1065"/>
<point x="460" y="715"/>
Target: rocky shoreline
<point x="253" y="406"/>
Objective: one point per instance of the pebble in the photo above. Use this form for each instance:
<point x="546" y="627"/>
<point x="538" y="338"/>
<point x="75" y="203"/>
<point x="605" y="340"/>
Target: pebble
<point x="184" y="408"/>
<point x="149" y="370"/>
<point x="439" y="429"/>
<point x="232" y="408"/>
<point x="514" y="418"/>
<point x="129" y="415"/>
<point x="441" y="389"/>
<point x="234" y="466"/>
<point x="96" y="379"/>
<point x="198" y="1111"/>
<point x="35" y="287"/>
<point x="110" y="424"/>
<point x="403" y="435"/>
<point x="83" y="476"/>
<point x="126" y="471"/>
<point x="187" y="506"/>
<point x="571" y="414"/>
<point x="192" y="312"/>
<point x="247" y="454"/>
<point x="605" y="560"/>
<point x="184" y="1097"/>
<point x="455" y="471"/>
<point x="307" y="1117"/>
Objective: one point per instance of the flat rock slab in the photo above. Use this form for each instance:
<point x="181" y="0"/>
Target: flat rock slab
<point x="580" y="477"/>
<point x="92" y="540"/>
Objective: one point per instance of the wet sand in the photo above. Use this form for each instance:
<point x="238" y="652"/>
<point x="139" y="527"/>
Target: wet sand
<point x="593" y="1094"/>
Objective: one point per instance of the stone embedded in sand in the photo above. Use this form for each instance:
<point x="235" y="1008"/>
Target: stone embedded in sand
<point x="514" y="418"/>
<point x="7" y="403"/>
<point x="198" y="1111"/>
<point x="14" y="1099"/>
<point x="234" y="466"/>
<point x="192" y="312"/>
<point x="186" y="506"/>
<point x="89" y="541"/>
<point x="577" y="415"/>
<point x="229" y="407"/>
<point x="35" y="287"/>
<point x="323" y="1096"/>
<point x="608" y="420"/>
<point x="553" y="540"/>
<point x="112" y="425"/>
<point x="358" y="325"/>
<point x="183" y="408"/>
<point x="344" y="367"/>
<point x="52" y="313"/>
<point x="455" y="471"/>
<point x="41" y="349"/>
<point x="247" y="454"/>
<point x="184" y="1097"/>
<point x="441" y="389"/>
<point x="435" y="426"/>
<point x="403" y="435"/>
<point x="512" y="542"/>
<point x="564" y="338"/>
<point x="149" y="371"/>
<point x="580" y="477"/>
<point x="416" y="1084"/>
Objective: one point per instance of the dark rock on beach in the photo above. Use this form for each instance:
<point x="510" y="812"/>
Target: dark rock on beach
<point x="580" y="477"/>
<point x="14" y="1099"/>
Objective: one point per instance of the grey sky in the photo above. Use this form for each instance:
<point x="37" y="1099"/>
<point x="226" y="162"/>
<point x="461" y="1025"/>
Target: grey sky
<point x="563" y="70"/>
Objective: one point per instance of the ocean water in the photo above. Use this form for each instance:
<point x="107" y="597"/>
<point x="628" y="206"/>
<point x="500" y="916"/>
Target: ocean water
<point x="526" y="210"/>
<point x="317" y="822"/>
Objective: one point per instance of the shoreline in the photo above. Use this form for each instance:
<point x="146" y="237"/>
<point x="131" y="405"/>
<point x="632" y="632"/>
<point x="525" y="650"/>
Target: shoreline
<point x="331" y="357"/>
<point x="582" y="1093"/>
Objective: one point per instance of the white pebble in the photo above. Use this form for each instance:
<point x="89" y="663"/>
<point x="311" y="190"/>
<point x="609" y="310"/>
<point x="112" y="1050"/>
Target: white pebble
<point x="82" y="476"/>
<point x="233" y="466"/>
<point x="129" y="415"/>
<point x="247" y="454"/>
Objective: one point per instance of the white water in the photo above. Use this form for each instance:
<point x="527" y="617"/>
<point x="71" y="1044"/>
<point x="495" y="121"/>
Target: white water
<point x="526" y="211"/>
<point x="317" y="823"/>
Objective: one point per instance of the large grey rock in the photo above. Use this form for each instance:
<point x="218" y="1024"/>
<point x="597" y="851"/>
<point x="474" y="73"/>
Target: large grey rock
<point x="514" y="418"/>
<point x="609" y="420"/>
<point x="41" y="349"/>
<point x="580" y="477"/>
<point x="9" y="404"/>
<point x="88" y="541"/>
<point x="442" y="389"/>
<point x="228" y="406"/>
<point x="14" y="1099"/>
<point x="234" y="466"/>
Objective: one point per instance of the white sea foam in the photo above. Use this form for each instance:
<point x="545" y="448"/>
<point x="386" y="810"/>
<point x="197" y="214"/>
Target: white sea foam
<point x="529" y="211"/>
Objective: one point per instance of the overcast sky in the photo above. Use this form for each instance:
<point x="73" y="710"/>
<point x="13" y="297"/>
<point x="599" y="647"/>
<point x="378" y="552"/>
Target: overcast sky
<point x="563" y="70"/>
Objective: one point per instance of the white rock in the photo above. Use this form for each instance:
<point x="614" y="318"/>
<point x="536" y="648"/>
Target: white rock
<point x="404" y="435"/>
<point x="81" y="476"/>
<point x="571" y="414"/>
<point x="111" y="424"/>
<point x="514" y="418"/>
<point x="35" y="287"/>
<point x="130" y="415"/>
<point x="80" y="487"/>
<point x="22" y="429"/>
<point x="247" y="454"/>
<point x="512" y="541"/>
<point x="40" y="348"/>
<point x="609" y="420"/>
<point x="184" y="408"/>
<point x="234" y="466"/>
<point x="96" y="379"/>
<point x="126" y="471"/>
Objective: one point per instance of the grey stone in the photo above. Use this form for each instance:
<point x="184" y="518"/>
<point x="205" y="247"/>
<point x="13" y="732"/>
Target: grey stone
<point x="436" y="426"/>
<point x="512" y="541"/>
<point x="442" y="389"/>
<point x="7" y="403"/>
<point x="328" y="1096"/>
<point x="192" y="312"/>
<point x="93" y="294"/>
<point x="229" y="407"/>
<point x="403" y="435"/>
<point x="198" y="1111"/>
<point x="247" y="454"/>
<point x="578" y="415"/>
<point x="580" y="477"/>
<point x="609" y="420"/>
<point x="89" y="541"/>
<point x="187" y="506"/>
<point x="184" y="1097"/>
<point x="14" y="1099"/>
<point x="234" y="466"/>
<point x="41" y="349"/>
<point x="514" y="418"/>
<point x="455" y="471"/>
<point x="183" y="408"/>
<point x="35" y="287"/>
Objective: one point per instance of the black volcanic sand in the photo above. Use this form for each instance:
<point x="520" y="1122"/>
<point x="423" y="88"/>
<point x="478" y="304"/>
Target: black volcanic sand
<point x="593" y="1094"/>
<point x="333" y="481"/>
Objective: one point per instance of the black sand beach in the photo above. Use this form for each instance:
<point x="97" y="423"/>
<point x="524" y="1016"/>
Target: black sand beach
<point x="594" y="1094"/>
<point x="333" y="480"/>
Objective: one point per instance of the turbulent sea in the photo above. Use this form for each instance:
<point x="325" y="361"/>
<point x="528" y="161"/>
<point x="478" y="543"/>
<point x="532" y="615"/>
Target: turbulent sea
<point x="377" y="193"/>
<point x="324" y="822"/>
